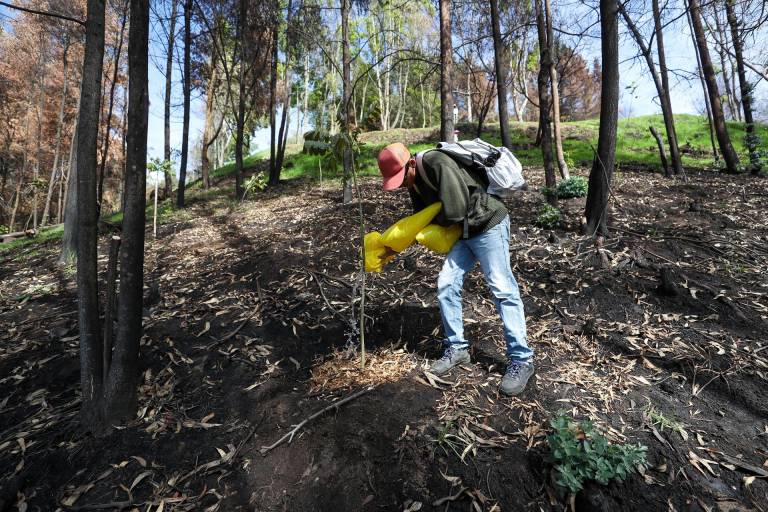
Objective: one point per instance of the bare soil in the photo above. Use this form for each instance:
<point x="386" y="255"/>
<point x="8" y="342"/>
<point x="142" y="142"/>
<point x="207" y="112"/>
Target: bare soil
<point x="677" y="363"/>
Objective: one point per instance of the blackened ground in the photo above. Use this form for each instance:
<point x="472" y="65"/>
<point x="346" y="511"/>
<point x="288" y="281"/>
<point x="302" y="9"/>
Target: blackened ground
<point x="680" y="368"/>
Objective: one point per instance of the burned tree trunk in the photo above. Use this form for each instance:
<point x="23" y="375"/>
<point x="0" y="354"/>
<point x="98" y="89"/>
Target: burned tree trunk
<point x="661" y="90"/>
<point x="187" y="100"/>
<point x="724" y="141"/>
<point x="168" y="90"/>
<point x="745" y="87"/>
<point x="91" y="376"/>
<point x="600" y="176"/>
<point x="665" y="98"/>
<point x="545" y="63"/>
<point x="121" y="388"/>
<point x="500" y="63"/>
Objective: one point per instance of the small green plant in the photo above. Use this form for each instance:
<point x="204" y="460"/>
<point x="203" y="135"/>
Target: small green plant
<point x="657" y="418"/>
<point x="580" y="453"/>
<point x="575" y="186"/>
<point x="568" y="160"/>
<point x="3" y="229"/>
<point x="256" y="182"/>
<point x="548" y="217"/>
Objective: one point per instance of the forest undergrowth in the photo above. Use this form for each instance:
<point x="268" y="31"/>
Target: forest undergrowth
<point x="657" y="336"/>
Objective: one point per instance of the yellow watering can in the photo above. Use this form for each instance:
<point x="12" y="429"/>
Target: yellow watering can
<point x="380" y="249"/>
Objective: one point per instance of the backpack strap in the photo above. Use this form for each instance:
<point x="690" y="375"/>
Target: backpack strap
<point x="422" y="172"/>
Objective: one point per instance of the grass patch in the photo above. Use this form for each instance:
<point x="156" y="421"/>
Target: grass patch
<point x="51" y="233"/>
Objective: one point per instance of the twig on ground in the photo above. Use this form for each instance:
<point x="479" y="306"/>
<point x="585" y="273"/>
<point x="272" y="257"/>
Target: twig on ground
<point x="289" y="436"/>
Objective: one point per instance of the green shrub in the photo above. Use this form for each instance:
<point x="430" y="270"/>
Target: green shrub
<point x="581" y="453"/>
<point x="575" y="186"/>
<point x="257" y="181"/>
<point x="548" y="217"/>
<point x="3" y="229"/>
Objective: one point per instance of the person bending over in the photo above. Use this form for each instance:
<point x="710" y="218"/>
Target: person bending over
<point x="485" y="239"/>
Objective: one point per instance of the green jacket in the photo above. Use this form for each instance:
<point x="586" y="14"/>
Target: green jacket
<point x="462" y="194"/>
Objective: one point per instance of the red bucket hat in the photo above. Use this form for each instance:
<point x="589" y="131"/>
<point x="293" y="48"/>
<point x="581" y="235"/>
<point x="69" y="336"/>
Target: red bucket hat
<point x="392" y="160"/>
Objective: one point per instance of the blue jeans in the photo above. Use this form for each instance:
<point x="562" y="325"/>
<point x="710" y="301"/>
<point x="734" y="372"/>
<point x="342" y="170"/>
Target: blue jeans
<point x="491" y="249"/>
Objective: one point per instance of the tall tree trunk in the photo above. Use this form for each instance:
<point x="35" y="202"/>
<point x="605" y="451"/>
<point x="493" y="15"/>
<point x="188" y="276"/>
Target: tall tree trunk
<point x="660" y="88"/>
<point x="446" y="66"/>
<point x="91" y="376"/>
<point x="720" y="41"/>
<point x="64" y="188"/>
<point x="124" y="368"/>
<point x="346" y="98"/>
<point x="666" y="97"/>
<point x="723" y="139"/>
<point x="187" y="100"/>
<point x="545" y="127"/>
<point x="273" y="176"/>
<point x="209" y="136"/>
<point x="55" y="171"/>
<point x="17" y="200"/>
<point x="596" y="210"/>
<point x="107" y="137"/>
<point x="168" y="95"/>
<point x="38" y="152"/>
<point x="500" y="63"/>
<point x="745" y="87"/>
<point x="305" y="109"/>
<point x="710" y="123"/>
<point x="282" y="136"/>
<point x="553" y="82"/>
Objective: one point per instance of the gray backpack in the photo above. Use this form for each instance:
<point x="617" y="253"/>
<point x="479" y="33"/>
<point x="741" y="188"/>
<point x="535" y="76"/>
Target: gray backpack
<point x="496" y="167"/>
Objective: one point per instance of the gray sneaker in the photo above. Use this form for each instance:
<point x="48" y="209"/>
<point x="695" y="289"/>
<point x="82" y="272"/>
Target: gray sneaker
<point x="517" y="375"/>
<point x="451" y="357"/>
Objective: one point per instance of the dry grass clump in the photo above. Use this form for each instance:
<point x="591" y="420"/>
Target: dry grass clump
<point x="342" y="369"/>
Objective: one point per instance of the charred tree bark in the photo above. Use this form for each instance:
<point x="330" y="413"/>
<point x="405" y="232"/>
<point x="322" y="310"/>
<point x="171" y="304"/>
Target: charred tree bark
<point x="500" y="62"/>
<point x="240" y="116"/>
<point x="724" y="141"/>
<point x="124" y="369"/>
<point x="600" y="176"/>
<point x="187" y="100"/>
<point x="168" y="93"/>
<point x="745" y="88"/>
<point x="59" y="126"/>
<point x="446" y="67"/>
<point x="545" y="65"/>
<point x="107" y="138"/>
<point x="669" y="119"/>
<point x="91" y="376"/>
<point x="710" y="123"/>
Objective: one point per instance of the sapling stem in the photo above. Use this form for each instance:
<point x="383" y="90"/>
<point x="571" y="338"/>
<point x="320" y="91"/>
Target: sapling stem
<point x="362" y="258"/>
